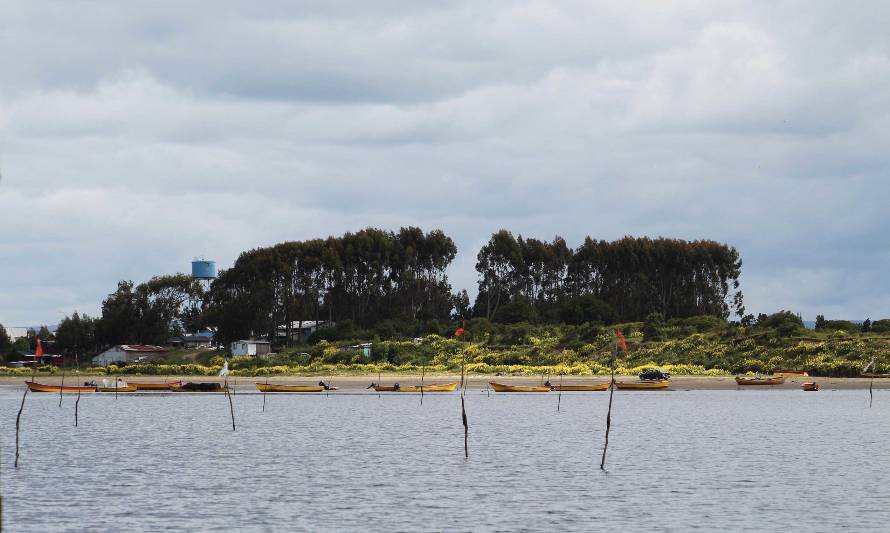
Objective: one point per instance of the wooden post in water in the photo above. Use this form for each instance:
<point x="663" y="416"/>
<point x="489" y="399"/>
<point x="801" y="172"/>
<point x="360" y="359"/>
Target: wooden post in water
<point x="76" y="404"/>
<point x="231" y="407"/>
<point x="379" y="384"/>
<point x="18" y="424"/>
<point x="609" y="412"/>
<point x="611" y="393"/>
<point x="62" y="386"/>
<point x="422" y="372"/>
<point x="559" y="399"/>
<point x="463" y="391"/>
<point x="264" y="394"/>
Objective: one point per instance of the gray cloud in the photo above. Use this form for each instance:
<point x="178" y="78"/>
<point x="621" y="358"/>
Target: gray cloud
<point x="132" y="140"/>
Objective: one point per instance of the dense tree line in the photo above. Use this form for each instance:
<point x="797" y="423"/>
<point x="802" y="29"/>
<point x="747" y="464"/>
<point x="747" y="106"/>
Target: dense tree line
<point x="394" y="279"/>
<point x="363" y="277"/>
<point x="625" y="280"/>
<point x="148" y="313"/>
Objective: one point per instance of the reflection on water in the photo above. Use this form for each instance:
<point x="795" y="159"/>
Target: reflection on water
<point x="736" y="460"/>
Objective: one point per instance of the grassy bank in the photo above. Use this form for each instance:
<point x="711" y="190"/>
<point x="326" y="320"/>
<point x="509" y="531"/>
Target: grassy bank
<point x="695" y="346"/>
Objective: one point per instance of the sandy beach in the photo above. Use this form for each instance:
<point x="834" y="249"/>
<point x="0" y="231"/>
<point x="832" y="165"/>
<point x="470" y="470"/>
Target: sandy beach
<point x="475" y="382"/>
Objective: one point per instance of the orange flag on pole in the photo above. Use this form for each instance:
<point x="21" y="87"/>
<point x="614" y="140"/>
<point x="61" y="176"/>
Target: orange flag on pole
<point x="621" y="340"/>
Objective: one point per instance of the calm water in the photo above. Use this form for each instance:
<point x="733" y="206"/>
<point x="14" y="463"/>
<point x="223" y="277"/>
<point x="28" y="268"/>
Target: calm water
<point x="678" y="461"/>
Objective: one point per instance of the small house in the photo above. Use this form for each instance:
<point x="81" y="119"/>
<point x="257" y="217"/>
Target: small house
<point x="251" y="347"/>
<point x="128" y="353"/>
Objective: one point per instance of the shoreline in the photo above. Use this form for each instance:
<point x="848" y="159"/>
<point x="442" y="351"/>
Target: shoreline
<point x="476" y="382"/>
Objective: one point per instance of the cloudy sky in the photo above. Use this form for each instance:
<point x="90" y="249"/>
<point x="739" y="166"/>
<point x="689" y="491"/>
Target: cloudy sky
<point x="135" y="139"/>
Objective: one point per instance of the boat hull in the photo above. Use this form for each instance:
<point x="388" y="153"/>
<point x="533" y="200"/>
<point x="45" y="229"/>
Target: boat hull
<point x="157" y="386"/>
<point x="567" y="388"/>
<point x="268" y="387"/>
<point x="777" y="380"/>
<point x="199" y="387"/>
<point x="40" y="387"/>
<point x="500" y="387"/>
<point x="810" y="386"/>
<point x="433" y="387"/>
<point x="127" y="388"/>
<point x="643" y="385"/>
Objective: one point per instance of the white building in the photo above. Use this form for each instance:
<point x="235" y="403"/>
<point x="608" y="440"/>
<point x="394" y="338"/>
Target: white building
<point x="127" y="353"/>
<point x="16" y="333"/>
<point x="257" y="348"/>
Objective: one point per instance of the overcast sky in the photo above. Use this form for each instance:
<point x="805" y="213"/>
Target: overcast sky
<point x="133" y="139"/>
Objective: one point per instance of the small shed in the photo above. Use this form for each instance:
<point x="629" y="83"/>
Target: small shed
<point x="251" y="347"/>
<point x="127" y="353"/>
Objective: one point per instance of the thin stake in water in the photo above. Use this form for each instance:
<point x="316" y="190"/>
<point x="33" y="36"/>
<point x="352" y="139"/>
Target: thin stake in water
<point x="264" y="394"/>
<point x="76" y="404"/>
<point x="231" y="407"/>
<point x="422" y="372"/>
<point x="611" y="393"/>
<point x="62" y="386"/>
<point x="18" y="423"/>
<point x="559" y="399"/>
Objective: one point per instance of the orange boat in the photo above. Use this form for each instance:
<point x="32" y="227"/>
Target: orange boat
<point x="157" y="386"/>
<point x="40" y="387"/>
<point x="809" y="386"/>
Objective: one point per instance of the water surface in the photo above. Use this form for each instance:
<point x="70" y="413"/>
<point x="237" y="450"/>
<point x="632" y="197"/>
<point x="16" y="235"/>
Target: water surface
<point x="678" y="461"/>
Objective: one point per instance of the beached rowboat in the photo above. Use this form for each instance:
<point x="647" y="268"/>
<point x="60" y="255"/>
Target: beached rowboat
<point x="432" y="387"/>
<point x="157" y="386"/>
<point x="643" y="384"/>
<point x="199" y="387"/>
<point x="500" y="387"/>
<point x="123" y="388"/>
<point x="269" y="387"/>
<point x="809" y="386"/>
<point x="760" y="380"/>
<point x="873" y="375"/>
<point x="566" y="388"/>
<point x="40" y="387"/>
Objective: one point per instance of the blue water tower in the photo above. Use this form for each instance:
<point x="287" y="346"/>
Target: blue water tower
<point x="204" y="270"/>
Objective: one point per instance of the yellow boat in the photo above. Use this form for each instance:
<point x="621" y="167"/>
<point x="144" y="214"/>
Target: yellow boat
<point x="40" y="387"/>
<point x="123" y="388"/>
<point x="157" y="386"/>
<point x="432" y="387"/>
<point x="760" y="380"/>
<point x="269" y="387"/>
<point x="597" y="387"/>
<point x="500" y="387"/>
<point x="643" y="385"/>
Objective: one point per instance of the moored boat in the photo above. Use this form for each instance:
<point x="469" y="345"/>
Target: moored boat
<point x="500" y="387"/>
<point x="809" y="386"/>
<point x="271" y="387"/>
<point x="40" y="387"/>
<point x="567" y="388"/>
<point x="122" y="388"/>
<point x="760" y="380"/>
<point x="653" y="384"/>
<point x="199" y="387"/>
<point x="432" y="387"/>
<point x="157" y="386"/>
